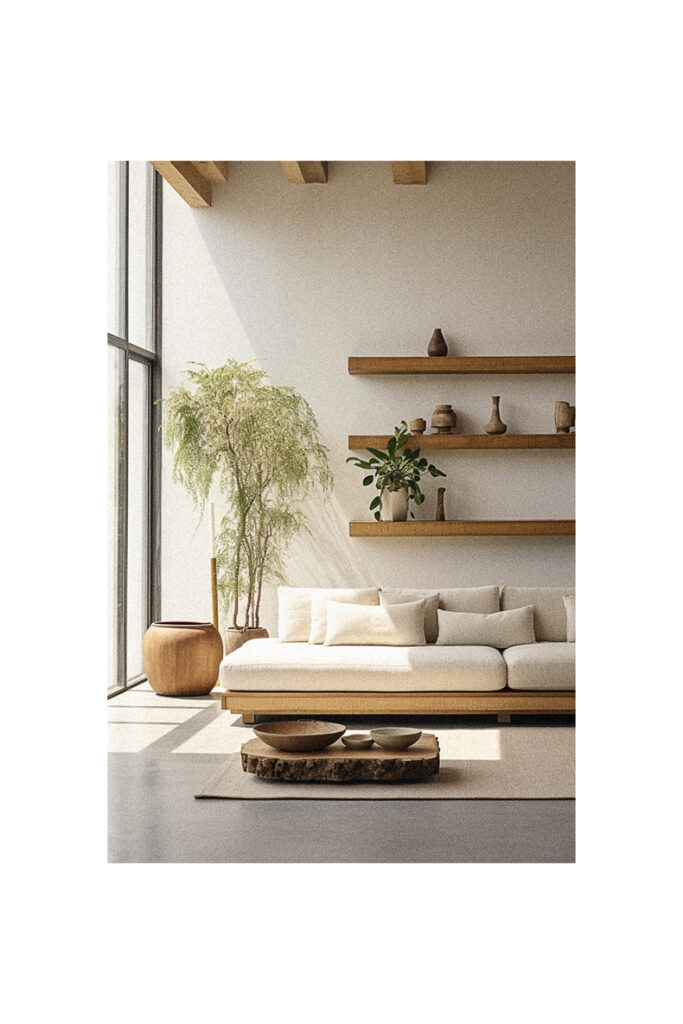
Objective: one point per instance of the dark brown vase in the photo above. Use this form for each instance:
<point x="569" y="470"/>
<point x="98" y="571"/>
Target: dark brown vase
<point x="437" y="344"/>
<point x="440" y="512"/>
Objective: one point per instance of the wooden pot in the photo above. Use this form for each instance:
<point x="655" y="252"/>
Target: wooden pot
<point x="444" y="419"/>
<point x="565" y="417"/>
<point x="234" y="638"/>
<point x="182" y="658"/>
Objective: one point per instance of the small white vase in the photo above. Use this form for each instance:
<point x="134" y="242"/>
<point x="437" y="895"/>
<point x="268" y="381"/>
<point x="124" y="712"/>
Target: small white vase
<point x="395" y="506"/>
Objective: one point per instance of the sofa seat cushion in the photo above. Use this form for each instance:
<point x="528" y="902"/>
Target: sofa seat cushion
<point x="271" y="665"/>
<point x="543" y="666"/>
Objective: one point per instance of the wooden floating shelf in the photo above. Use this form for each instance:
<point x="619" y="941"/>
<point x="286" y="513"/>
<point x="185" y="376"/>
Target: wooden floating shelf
<point x="466" y="528"/>
<point x="458" y="364"/>
<point x="500" y="442"/>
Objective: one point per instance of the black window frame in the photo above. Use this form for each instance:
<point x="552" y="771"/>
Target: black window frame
<point x="152" y="359"/>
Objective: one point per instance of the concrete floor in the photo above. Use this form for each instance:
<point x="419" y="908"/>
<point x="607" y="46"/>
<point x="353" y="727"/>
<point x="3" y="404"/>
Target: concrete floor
<point x="163" y="750"/>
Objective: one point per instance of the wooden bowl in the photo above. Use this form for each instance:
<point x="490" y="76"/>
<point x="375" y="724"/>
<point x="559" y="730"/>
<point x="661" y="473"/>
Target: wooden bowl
<point x="358" y="740"/>
<point x="396" y="737"/>
<point x="299" y="735"/>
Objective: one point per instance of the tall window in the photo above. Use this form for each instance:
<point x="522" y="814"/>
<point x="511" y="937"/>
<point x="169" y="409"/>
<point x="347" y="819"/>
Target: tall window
<point x="134" y="358"/>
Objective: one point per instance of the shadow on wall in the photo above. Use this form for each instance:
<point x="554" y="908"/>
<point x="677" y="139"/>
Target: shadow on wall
<point x="324" y="557"/>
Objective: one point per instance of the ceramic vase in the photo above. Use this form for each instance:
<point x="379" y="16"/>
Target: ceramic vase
<point x="495" y="425"/>
<point x="417" y="426"/>
<point x="437" y="344"/>
<point x="565" y="417"/>
<point x="395" y="506"/>
<point x="444" y="419"/>
<point x="440" y="512"/>
<point x="182" y="659"/>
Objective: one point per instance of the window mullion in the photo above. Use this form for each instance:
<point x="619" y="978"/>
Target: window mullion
<point x="122" y="594"/>
<point x="123" y="248"/>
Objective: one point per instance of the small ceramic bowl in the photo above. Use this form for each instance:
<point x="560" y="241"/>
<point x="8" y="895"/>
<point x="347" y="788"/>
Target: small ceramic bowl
<point x="396" y="737"/>
<point x="358" y="740"/>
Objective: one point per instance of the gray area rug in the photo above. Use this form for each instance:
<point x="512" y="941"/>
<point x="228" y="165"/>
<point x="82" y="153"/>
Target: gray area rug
<point x="507" y="763"/>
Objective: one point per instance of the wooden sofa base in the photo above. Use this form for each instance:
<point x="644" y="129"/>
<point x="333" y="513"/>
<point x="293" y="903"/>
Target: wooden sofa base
<point x="502" y="703"/>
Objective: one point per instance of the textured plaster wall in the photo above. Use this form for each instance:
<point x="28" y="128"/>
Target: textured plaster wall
<point x="301" y="277"/>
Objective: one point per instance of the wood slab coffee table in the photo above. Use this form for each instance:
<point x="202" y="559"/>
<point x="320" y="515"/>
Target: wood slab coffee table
<point x="338" y="763"/>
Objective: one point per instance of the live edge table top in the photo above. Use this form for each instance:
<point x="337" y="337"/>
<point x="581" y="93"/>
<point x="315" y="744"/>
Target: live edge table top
<point x="338" y="763"/>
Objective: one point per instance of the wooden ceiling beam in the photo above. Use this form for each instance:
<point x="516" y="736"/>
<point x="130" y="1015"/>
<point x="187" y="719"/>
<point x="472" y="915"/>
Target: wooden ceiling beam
<point x="306" y="172"/>
<point x="183" y="176"/>
<point x="410" y="172"/>
<point x="215" y="171"/>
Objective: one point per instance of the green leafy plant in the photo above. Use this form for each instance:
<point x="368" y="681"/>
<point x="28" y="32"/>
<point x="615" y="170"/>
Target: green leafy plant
<point x="398" y="468"/>
<point x="260" y="445"/>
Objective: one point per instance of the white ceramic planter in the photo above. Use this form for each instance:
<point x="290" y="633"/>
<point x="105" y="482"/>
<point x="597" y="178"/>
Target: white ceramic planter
<point x="395" y="506"/>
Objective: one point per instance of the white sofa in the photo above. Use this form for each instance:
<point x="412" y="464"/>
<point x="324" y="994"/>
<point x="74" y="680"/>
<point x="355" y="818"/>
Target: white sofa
<point x="296" y="677"/>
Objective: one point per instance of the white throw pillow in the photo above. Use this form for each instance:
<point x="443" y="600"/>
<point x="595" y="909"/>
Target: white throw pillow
<point x="570" y="608"/>
<point x="499" y="629"/>
<point x="396" y="625"/>
<point x="294" y="608"/>
<point x="395" y="595"/>
<point x="319" y="599"/>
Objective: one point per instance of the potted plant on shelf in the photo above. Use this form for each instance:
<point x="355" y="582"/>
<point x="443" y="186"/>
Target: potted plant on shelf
<point x="396" y="473"/>
<point x="260" y="444"/>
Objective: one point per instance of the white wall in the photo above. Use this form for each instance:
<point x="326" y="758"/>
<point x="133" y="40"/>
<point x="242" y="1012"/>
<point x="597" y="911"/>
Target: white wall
<point x="301" y="277"/>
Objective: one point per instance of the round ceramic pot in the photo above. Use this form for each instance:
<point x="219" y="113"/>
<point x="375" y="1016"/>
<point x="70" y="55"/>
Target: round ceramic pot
<point x="444" y="419"/>
<point x="395" y="506"/>
<point x="234" y="638"/>
<point x="565" y="417"/>
<point x="182" y="659"/>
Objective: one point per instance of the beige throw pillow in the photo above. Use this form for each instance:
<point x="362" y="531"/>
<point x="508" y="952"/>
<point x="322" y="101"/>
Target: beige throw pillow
<point x="319" y="599"/>
<point x="499" y="629"/>
<point x="395" y="595"/>
<point x="294" y="608"/>
<point x="469" y="599"/>
<point x="550" y="617"/>
<point x="570" y="608"/>
<point x="396" y="625"/>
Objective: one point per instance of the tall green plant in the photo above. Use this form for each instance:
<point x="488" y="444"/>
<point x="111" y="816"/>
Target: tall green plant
<point x="260" y="445"/>
<point x="398" y="468"/>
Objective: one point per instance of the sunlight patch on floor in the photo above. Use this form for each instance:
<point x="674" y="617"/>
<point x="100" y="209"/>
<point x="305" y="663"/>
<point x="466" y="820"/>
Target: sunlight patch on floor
<point x="139" y="698"/>
<point x="132" y="738"/>
<point x="469" y="744"/>
<point x="159" y="715"/>
<point x="217" y="737"/>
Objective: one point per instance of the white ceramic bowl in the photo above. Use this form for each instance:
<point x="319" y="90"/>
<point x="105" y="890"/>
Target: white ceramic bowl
<point x="396" y="737"/>
<point x="358" y="740"/>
